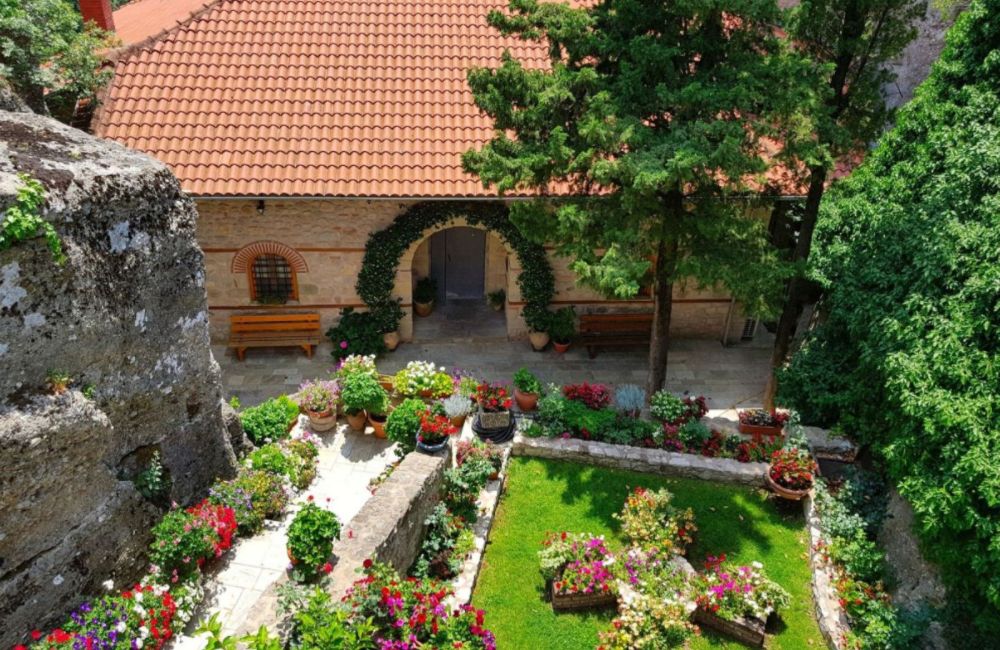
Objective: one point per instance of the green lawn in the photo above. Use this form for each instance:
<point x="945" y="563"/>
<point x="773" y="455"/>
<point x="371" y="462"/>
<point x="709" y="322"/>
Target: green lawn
<point x="549" y="495"/>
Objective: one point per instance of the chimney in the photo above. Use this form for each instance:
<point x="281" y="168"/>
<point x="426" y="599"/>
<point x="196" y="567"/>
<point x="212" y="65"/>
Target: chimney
<point x="99" y="13"/>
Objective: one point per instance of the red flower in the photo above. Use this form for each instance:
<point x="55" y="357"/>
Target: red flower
<point x="367" y="564"/>
<point x="36" y="635"/>
<point x="327" y="568"/>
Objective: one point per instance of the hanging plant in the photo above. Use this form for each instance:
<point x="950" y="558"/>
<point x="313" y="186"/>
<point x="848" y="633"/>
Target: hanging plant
<point x="386" y="247"/>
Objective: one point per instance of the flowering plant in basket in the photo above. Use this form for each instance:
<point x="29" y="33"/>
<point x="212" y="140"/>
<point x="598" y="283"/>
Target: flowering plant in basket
<point x="435" y="429"/>
<point x="492" y="398"/>
<point x="794" y="469"/>
<point x="577" y="563"/>
<point x="763" y="417"/>
<point x="737" y="592"/>
<point x="593" y="396"/>
<point x="649" y="519"/>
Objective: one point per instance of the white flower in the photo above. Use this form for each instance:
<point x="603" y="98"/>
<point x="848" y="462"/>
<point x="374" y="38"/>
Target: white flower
<point x="108" y="585"/>
<point x="757" y="565"/>
<point x="121" y="626"/>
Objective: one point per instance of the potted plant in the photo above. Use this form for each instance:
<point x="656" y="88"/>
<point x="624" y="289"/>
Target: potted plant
<point x="469" y="450"/>
<point x="562" y="328"/>
<point x="358" y="392"/>
<point x="378" y="411"/>
<point x="403" y="423"/>
<point x="434" y="432"/>
<point x="457" y="408"/>
<point x="761" y="422"/>
<point x="629" y="399"/>
<point x="318" y="400"/>
<point x="537" y="319"/>
<point x="424" y="379"/>
<point x="526" y="389"/>
<point x="58" y="381"/>
<point x="577" y="571"/>
<point x="494" y="406"/>
<point x="791" y="473"/>
<point x="497" y="299"/>
<point x="310" y="541"/>
<point x="737" y="600"/>
<point x="423" y="296"/>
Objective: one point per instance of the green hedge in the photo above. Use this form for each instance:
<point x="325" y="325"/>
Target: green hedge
<point x="908" y="249"/>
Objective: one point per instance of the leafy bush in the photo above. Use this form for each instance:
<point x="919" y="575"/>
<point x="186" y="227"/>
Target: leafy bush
<point x="630" y="398"/>
<point x="310" y="541"/>
<point x="666" y="407"/>
<point x="403" y="423"/>
<point x="362" y="392"/>
<point x="526" y="381"/>
<point x="649" y="519"/>
<point x="562" y="325"/>
<point x="181" y="542"/>
<point x="356" y="333"/>
<point x="270" y="420"/>
<point x="627" y="430"/>
<point x="425" y="290"/>
<point x="462" y="485"/>
<point x="593" y="396"/>
<point x="438" y="552"/>
<point x="298" y="466"/>
<point x="907" y="250"/>
<point x="694" y="434"/>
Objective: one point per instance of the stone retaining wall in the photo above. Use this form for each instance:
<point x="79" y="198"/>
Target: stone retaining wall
<point x="830" y="615"/>
<point x="638" y="459"/>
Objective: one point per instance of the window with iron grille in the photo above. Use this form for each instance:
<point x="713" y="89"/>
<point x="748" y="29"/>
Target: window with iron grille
<point x="273" y="279"/>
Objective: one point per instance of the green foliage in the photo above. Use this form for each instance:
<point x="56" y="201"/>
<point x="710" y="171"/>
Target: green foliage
<point x="357" y="333"/>
<point x="627" y="430"/>
<point x="46" y="53"/>
<point x="385" y="248"/>
<point x="323" y="623"/>
<point x="666" y="407"/>
<point x="497" y="299"/>
<point x="425" y="290"/>
<point x="212" y="629"/>
<point x="22" y="220"/>
<point x="403" y="423"/>
<point x="179" y="541"/>
<point x="440" y="556"/>
<point x="310" y="541"/>
<point x="559" y="415"/>
<point x="362" y="392"/>
<point x="295" y="463"/>
<point x="254" y="495"/>
<point x="693" y="434"/>
<point x="526" y="381"/>
<point x="908" y="250"/>
<point x="152" y="482"/>
<point x="461" y="487"/>
<point x="270" y="420"/>
<point x="562" y="325"/>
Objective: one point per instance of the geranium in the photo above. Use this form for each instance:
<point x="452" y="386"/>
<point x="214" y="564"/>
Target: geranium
<point x="593" y="396"/>
<point x="435" y="429"/>
<point x="181" y="544"/>
<point x="492" y="398"/>
<point x="221" y="519"/>
<point x="735" y="592"/>
<point x="763" y="417"/>
<point x="794" y="469"/>
<point x="577" y="563"/>
<point x="649" y="519"/>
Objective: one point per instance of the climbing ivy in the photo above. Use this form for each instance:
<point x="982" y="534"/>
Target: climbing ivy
<point x="385" y="248"/>
<point x="22" y="221"/>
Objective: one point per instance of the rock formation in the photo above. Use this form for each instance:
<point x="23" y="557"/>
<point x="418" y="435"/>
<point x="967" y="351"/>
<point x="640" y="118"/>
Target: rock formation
<point x="125" y="317"/>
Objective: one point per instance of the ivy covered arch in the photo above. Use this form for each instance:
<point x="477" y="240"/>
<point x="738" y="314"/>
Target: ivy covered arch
<point x="386" y="247"/>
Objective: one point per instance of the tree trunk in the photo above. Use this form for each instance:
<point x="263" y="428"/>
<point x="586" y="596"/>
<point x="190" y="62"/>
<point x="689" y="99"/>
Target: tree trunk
<point x="793" y="297"/>
<point x="663" y="299"/>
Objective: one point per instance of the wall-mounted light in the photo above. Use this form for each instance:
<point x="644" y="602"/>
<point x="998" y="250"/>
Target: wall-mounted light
<point x="260" y="206"/>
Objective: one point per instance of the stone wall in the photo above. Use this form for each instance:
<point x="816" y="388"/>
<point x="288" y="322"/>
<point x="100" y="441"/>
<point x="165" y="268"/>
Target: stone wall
<point x="331" y="235"/>
<point x="126" y="317"/>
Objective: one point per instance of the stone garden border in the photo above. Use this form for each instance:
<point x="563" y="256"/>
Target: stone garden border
<point x="830" y="616"/>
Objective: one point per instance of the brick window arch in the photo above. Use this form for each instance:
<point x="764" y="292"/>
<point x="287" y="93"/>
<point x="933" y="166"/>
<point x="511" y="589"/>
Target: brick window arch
<point x="271" y="269"/>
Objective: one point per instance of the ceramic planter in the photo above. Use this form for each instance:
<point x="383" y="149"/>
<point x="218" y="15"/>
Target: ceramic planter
<point x="423" y="308"/>
<point x="538" y="340"/>
<point x="357" y="421"/>
<point x="391" y="340"/>
<point x="782" y="491"/>
<point x="560" y="347"/>
<point x="431" y="448"/>
<point x="526" y="401"/>
<point x="324" y="421"/>
<point x="378" y="424"/>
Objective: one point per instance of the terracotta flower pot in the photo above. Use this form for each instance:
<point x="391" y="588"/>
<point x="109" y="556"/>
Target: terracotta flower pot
<point x="459" y="421"/>
<point x="324" y="421"/>
<point x="385" y="381"/>
<point x="357" y="421"/>
<point x="426" y="393"/>
<point x="391" y="340"/>
<point x="526" y="401"/>
<point x="560" y="347"/>
<point x="378" y="424"/>
<point x="538" y="340"/>
<point x="423" y="308"/>
<point x="291" y="558"/>
<point x="782" y="491"/>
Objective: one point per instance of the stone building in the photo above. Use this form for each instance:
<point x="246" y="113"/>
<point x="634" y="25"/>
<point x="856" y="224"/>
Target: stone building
<point x="299" y="131"/>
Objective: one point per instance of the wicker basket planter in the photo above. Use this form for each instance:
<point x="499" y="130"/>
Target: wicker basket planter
<point x="494" y="420"/>
<point x="575" y="602"/>
<point x="746" y="630"/>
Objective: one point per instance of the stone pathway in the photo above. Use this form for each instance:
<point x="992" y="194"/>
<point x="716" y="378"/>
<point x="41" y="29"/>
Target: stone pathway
<point x="348" y="460"/>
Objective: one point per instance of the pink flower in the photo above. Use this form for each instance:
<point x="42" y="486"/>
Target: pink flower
<point x="343" y="345"/>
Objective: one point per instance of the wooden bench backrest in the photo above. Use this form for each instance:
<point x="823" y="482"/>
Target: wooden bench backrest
<point x="615" y="322"/>
<point x="308" y="322"/>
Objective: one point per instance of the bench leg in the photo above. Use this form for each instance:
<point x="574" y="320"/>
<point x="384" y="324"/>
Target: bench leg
<point x="309" y="350"/>
<point x="241" y="353"/>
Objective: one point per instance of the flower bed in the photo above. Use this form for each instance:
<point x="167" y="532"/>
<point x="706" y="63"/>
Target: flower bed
<point x="578" y="569"/>
<point x="737" y="600"/>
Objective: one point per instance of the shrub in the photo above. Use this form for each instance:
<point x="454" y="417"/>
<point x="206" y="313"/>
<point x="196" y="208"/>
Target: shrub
<point x="438" y="557"/>
<point x="648" y="519"/>
<point x="425" y="290"/>
<point x="666" y="407"/>
<point x="562" y="325"/>
<point x="462" y="485"/>
<point x="362" y="392"/>
<point x="629" y="398"/>
<point x="323" y="623"/>
<point x="266" y="491"/>
<point x="181" y="543"/>
<point x="627" y="430"/>
<point x="296" y="463"/>
<point x="310" y="541"/>
<point x="270" y="420"/>
<point x="526" y="382"/>
<point x="585" y="422"/>
<point x="356" y="333"/>
<point x="694" y="434"/>
<point x="403" y="424"/>
<point x="593" y="396"/>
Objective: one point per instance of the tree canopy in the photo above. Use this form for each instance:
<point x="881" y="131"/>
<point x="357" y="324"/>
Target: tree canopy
<point x="650" y="114"/>
<point x="49" y="57"/>
<point x="906" y="358"/>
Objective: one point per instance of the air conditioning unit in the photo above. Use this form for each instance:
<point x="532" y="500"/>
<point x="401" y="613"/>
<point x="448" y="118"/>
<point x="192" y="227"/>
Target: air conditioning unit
<point x="749" y="329"/>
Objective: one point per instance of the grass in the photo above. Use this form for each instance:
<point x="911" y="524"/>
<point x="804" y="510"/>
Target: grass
<point x="545" y="495"/>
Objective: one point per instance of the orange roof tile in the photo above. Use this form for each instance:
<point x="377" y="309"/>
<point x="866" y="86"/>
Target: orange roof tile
<point x="334" y="98"/>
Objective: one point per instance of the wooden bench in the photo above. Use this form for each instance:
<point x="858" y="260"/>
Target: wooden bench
<point x="299" y="330"/>
<point x="614" y="330"/>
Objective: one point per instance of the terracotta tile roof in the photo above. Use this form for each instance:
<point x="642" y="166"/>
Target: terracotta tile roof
<point x="338" y="98"/>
